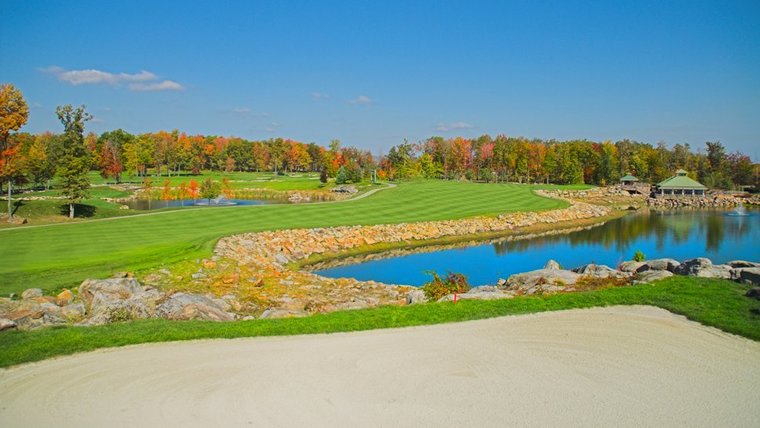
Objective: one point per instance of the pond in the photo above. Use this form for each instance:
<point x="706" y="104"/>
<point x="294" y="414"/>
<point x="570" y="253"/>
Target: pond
<point x="142" y="204"/>
<point x="680" y="234"/>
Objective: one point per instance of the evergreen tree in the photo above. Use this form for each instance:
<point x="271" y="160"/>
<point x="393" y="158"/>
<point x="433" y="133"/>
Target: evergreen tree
<point x="75" y="162"/>
<point x="342" y="176"/>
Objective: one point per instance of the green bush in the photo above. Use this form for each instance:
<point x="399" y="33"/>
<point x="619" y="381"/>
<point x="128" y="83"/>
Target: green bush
<point x="341" y="177"/>
<point x="639" y="256"/>
<point x="452" y="283"/>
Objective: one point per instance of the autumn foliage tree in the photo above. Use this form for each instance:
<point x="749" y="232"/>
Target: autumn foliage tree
<point x="166" y="191"/>
<point x="182" y="193"/>
<point x="209" y="189"/>
<point x="193" y="190"/>
<point x="13" y="115"/>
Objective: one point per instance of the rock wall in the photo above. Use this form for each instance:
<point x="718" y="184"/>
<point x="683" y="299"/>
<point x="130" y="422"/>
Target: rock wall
<point x="278" y="248"/>
<point x="714" y="201"/>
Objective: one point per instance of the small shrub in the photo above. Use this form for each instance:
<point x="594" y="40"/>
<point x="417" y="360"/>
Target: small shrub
<point x="639" y="256"/>
<point x="341" y="177"/>
<point x="452" y="283"/>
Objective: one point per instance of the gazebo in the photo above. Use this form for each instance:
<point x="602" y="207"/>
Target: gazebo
<point x="680" y="185"/>
<point x="629" y="180"/>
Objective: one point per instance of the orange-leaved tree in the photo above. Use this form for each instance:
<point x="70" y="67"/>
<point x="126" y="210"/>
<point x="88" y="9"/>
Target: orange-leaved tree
<point x="166" y="191"/>
<point x="182" y="193"/>
<point x="193" y="190"/>
<point x="13" y="115"/>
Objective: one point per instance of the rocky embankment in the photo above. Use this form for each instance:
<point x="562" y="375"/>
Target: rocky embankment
<point x="612" y="196"/>
<point x="552" y="278"/>
<point x="249" y="276"/>
<point x="709" y="201"/>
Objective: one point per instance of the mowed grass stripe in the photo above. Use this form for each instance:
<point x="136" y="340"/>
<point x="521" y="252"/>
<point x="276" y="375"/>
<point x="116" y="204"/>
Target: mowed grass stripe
<point x="53" y="257"/>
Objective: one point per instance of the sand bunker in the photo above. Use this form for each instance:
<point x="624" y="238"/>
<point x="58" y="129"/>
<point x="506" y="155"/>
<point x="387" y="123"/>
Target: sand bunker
<point x="620" y="366"/>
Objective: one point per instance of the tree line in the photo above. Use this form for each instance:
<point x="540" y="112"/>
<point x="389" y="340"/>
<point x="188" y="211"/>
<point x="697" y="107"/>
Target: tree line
<point x="518" y="159"/>
<point x="37" y="158"/>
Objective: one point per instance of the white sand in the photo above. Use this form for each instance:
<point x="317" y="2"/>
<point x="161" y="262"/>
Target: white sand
<point x="621" y="366"/>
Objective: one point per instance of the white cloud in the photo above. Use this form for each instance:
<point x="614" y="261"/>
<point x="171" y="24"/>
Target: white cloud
<point x="446" y="127"/>
<point x="361" y="99"/>
<point x="248" y="113"/>
<point x="82" y="77"/>
<point x="272" y="127"/>
<point x="319" y="96"/>
<point x="142" y="81"/>
<point x="166" y="85"/>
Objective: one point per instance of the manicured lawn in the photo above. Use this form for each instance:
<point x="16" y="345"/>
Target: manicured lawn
<point x="56" y="256"/>
<point x="717" y="303"/>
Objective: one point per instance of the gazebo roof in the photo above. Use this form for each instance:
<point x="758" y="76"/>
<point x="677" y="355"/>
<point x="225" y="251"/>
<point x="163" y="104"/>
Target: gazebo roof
<point x="681" y="181"/>
<point x="629" y="177"/>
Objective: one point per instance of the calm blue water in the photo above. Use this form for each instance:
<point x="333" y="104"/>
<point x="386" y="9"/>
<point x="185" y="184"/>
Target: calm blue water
<point x="677" y="234"/>
<point x="142" y="204"/>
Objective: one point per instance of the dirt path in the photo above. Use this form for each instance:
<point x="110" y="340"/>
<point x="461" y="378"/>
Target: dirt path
<point x="619" y="366"/>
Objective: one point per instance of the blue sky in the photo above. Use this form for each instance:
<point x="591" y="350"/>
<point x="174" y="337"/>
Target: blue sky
<point x="374" y="73"/>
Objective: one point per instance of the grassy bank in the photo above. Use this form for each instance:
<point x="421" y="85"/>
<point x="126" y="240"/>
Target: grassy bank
<point x="711" y="302"/>
<point x="63" y="255"/>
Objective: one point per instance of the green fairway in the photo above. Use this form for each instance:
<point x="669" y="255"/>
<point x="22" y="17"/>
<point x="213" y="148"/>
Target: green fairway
<point x="51" y="257"/>
<point x="713" y="302"/>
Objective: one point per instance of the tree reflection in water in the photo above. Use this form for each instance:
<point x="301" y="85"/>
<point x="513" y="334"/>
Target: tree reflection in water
<point x="662" y="227"/>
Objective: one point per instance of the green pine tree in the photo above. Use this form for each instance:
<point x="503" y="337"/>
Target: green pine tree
<point x="74" y="165"/>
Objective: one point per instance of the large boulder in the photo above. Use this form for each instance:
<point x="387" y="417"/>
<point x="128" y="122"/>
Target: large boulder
<point x="749" y="275"/>
<point x="600" y="271"/>
<point x="754" y="293"/>
<point x="181" y="306"/>
<point x="648" y="276"/>
<point x="31" y="293"/>
<point x="116" y="299"/>
<point x="416" y="296"/>
<point x="6" y="324"/>
<point x="743" y="264"/>
<point x="717" y="271"/>
<point x="693" y="266"/>
<point x="552" y="265"/>
<point x="659" y="264"/>
<point x="630" y="266"/>
<point x="542" y="280"/>
<point x="101" y="292"/>
<point x="119" y="310"/>
<point x="74" y="312"/>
